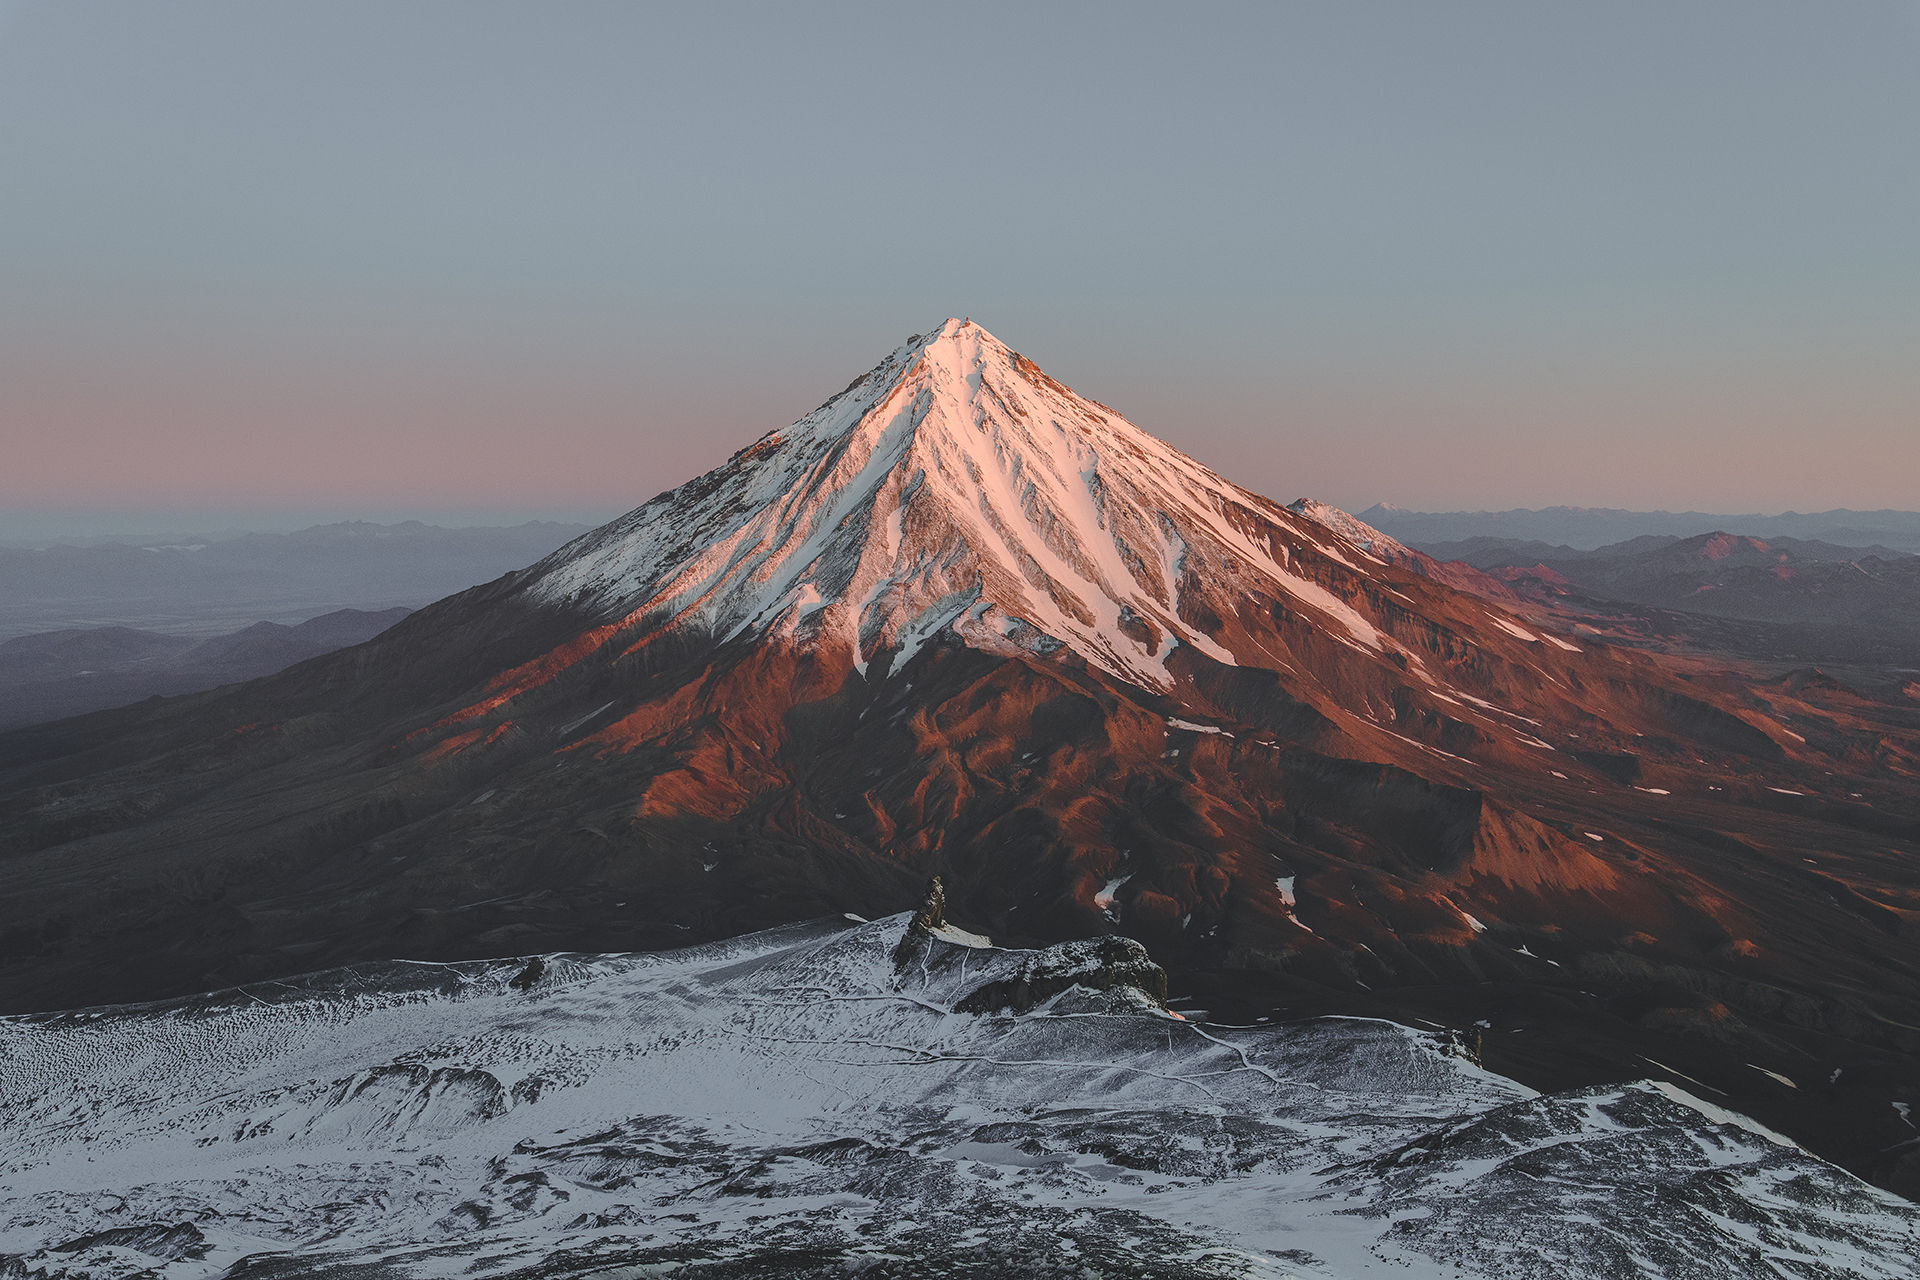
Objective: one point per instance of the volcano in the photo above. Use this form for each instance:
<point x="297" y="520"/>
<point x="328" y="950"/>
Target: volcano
<point x="961" y="620"/>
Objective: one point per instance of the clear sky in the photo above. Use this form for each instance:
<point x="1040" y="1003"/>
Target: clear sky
<point x="273" y="262"/>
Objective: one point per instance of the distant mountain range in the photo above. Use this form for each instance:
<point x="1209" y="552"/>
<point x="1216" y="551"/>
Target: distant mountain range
<point x="53" y="674"/>
<point x="205" y="587"/>
<point x="1586" y="528"/>
<point x="1817" y="601"/>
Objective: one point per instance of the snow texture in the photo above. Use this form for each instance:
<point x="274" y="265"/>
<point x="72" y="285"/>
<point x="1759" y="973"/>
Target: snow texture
<point x="791" y="1103"/>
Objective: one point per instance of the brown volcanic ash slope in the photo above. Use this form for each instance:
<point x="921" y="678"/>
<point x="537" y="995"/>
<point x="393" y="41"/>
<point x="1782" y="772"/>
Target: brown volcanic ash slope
<point x="961" y="620"/>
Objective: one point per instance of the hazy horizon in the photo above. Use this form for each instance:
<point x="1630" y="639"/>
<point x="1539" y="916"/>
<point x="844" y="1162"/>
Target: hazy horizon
<point x="21" y="527"/>
<point x="32" y="528"/>
<point x="361" y="259"/>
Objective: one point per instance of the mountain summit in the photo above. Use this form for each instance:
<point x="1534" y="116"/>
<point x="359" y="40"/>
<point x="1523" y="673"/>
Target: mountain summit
<point x="953" y="485"/>
<point x="960" y="621"/>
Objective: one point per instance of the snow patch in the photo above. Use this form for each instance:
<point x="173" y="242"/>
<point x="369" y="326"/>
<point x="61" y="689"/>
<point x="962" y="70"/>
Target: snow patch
<point x="1720" y="1115"/>
<point x="960" y="937"/>
<point x="1513" y="628"/>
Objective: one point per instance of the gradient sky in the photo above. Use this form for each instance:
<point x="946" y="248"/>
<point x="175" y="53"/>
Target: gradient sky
<point x="270" y="264"/>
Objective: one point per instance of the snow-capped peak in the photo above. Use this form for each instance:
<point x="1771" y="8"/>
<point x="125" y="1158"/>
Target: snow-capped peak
<point x="954" y="485"/>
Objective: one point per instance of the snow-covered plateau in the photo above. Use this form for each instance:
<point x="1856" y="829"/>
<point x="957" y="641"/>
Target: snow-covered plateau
<point x="852" y="1098"/>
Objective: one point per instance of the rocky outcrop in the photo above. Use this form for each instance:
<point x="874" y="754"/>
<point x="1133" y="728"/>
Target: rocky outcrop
<point x="528" y="977"/>
<point x="169" y="1242"/>
<point x="977" y="978"/>
<point x="1112" y="964"/>
<point x="928" y="920"/>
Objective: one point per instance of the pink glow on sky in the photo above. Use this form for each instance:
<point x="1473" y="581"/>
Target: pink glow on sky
<point x="370" y="431"/>
<point x="366" y="259"/>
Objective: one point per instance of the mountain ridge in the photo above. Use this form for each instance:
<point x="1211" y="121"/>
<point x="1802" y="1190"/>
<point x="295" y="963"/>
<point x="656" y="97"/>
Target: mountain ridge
<point x="55" y="674"/>
<point x="1586" y="528"/>
<point x="200" y="585"/>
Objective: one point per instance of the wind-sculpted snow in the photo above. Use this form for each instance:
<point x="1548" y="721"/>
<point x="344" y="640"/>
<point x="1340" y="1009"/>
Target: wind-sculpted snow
<point x="811" y="1101"/>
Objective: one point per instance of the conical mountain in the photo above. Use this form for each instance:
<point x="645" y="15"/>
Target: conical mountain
<point x="961" y="620"/>
<point x="957" y="491"/>
<point x="953" y="486"/>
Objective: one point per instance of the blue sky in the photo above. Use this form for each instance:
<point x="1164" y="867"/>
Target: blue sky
<point x="272" y="262"/>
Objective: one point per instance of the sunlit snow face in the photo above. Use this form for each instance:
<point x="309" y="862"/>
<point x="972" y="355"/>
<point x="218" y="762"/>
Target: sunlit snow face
<point x="954" y="486"/>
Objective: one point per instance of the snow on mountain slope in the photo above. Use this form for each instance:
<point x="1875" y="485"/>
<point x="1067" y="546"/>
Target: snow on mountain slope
<point x="957" y="494"/>
<point x="954" y="484"/>
<point x="824" y="1097"/>
<point x="1353" y="529"/>
<point x="1386" y="550"/>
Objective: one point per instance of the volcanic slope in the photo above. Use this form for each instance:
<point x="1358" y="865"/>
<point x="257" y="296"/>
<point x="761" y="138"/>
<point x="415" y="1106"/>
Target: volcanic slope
<point x="961" y="620"/>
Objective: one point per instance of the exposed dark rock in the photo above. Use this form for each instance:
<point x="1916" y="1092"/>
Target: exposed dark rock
<point x="1097" y="964"/>
<point x="181" y="1240"/>
<point x="1621" y="766"/>
<point x="524" y="980"/>
<point x="931" y="915"/>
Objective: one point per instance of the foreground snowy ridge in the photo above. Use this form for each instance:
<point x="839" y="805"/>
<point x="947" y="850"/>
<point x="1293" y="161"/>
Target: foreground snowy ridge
<point x="839" y="1098"/>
